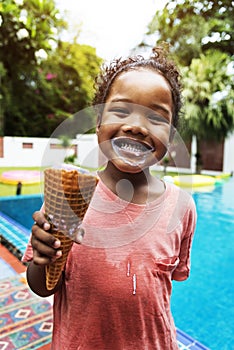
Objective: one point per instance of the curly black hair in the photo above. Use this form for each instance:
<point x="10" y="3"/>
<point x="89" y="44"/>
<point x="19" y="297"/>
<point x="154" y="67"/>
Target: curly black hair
<point x="157" y="61"/>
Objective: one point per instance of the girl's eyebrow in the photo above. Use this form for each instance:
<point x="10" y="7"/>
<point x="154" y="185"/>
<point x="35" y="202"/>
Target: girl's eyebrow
<point x="120" y="100"/>
<point x="156" y="106"/>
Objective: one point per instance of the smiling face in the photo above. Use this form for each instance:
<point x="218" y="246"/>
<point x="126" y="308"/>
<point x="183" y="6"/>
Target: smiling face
<point x="135" y="128"/>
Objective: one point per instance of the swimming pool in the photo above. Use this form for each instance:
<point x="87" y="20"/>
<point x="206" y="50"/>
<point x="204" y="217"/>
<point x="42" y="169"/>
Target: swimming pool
<point x="203" y="305"/>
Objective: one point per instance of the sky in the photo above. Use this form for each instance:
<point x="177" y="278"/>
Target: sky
<point x="114" y="27"/>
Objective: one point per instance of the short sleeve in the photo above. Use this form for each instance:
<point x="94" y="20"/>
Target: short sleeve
<point x="28" y="254"/>
<point x="182" y="271"/>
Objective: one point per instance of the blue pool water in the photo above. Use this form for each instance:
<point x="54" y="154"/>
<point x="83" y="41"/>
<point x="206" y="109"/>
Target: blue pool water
<point x="203" y="305"/>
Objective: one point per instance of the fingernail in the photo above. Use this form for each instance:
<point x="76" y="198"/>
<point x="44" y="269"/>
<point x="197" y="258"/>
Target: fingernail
<point x="46" y="226"/>
<point x="58" y="253"/>
<point x="56" y="244"/>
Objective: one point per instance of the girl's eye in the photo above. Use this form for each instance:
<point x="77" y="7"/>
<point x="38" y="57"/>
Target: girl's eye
<point x="119" y="111"/>
<point x="155" y="118"/>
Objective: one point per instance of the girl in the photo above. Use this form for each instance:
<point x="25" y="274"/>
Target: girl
<point x="115" y="290"/>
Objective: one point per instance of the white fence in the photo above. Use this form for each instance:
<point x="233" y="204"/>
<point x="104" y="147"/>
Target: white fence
<point x="228" y="160"/>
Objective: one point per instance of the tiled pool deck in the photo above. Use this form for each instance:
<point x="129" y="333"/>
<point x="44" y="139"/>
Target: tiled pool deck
<point x="10" y="266"/>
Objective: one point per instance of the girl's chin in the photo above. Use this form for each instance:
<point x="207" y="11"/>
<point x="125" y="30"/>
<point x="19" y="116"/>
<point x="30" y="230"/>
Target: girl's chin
<point x="128" y="166"/>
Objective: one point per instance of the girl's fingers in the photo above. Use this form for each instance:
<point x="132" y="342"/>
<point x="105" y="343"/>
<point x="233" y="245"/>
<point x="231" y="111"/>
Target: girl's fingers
<point x="44" y="255"/>
<point x="40" y="220"/>
<point x="45" y="246"/>
<point x="43" y="260"/>
<point x="45" y="237"/>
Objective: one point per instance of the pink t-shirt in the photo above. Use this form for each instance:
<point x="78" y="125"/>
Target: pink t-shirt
<point x="117" y="286"/>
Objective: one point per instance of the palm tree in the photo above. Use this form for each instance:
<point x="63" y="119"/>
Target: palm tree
<point x="208" y="94"/>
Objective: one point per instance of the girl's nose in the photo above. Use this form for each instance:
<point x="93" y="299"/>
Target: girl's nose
<point x="135" y="125"/>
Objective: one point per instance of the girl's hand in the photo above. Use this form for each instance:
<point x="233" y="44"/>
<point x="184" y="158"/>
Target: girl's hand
<point x="45" y="245"/>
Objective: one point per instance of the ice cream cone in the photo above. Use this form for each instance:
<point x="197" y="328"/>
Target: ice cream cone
<point x="67" y="194"/>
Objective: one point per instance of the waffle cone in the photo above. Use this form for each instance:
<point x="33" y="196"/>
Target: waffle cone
<point x="67" y="194"/>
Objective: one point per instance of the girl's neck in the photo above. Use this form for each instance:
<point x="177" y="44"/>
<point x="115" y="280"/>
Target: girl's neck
<point x="138" y="188"/>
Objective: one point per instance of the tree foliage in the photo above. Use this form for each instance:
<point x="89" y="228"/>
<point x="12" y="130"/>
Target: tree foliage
<point x="27" y="27"/>
<point x="193" y="26"/>
<point x="43" y="80"/>
<point x="208" y="93"/>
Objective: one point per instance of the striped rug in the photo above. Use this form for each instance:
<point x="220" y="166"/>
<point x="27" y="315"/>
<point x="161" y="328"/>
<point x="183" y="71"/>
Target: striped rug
<point x="25" y="318"/>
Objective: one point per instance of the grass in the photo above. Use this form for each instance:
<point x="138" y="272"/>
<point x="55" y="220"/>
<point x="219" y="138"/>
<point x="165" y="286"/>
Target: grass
<point x="10" y="190"/>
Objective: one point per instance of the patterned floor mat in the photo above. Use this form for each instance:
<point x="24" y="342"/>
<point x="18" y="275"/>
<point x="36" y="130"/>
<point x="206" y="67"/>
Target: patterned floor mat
<point x="25" y="319"/>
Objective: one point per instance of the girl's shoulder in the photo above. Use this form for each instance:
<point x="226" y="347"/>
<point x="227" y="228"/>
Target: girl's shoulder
<point x="180" y="198"/>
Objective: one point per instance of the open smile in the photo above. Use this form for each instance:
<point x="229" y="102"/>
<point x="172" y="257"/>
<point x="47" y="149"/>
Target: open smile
<point x="131" y="151"/>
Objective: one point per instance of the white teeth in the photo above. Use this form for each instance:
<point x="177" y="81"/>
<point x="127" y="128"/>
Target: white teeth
<point x="132" y="148"/>
<point x="130" y="151"/>
<point x="130" y="145"/>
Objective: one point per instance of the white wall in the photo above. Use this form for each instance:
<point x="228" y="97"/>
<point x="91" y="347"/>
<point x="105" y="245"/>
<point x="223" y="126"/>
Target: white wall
<point x="41" y="153"/>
